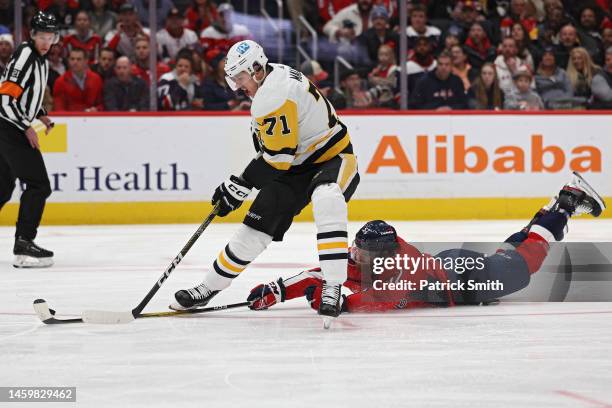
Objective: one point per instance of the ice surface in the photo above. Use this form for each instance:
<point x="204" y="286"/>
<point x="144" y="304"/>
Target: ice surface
<point x="510" y="355"/>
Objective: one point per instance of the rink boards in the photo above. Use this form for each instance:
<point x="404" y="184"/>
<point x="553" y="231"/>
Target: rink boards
<point x="164" y="169"/>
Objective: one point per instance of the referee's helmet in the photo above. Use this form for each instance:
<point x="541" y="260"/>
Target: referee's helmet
<point x="46" y="23"/>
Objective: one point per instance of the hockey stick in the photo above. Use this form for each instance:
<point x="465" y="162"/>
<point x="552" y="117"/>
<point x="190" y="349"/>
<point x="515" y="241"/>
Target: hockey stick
<point x="101" y="316"/>
<point x="47" y="315"/>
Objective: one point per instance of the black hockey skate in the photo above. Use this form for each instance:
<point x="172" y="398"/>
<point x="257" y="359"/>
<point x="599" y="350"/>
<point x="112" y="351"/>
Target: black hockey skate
<point x="198" y="296"/>
<point x="578" y="197"/>
<point x="329" y="307"/>
<point x="29" y="255"/>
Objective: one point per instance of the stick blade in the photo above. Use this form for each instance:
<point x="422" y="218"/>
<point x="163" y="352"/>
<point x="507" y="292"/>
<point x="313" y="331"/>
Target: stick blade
<point x="42" y="310"/>
<point x="105" y="317"/>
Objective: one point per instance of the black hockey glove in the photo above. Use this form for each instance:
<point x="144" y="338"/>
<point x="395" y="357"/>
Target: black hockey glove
<point x="230" y="194"/>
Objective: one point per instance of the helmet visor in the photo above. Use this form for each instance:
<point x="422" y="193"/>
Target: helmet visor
<point x="45" y="37"/>
<point x="238" y="81"/>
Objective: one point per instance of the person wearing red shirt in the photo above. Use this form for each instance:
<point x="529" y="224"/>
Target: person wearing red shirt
<point x="79" y="89"/>
<point x="140" y="68"/>
<point x="200" y="15"/>
<point x="84" y="37"/>
<point x="387" y="273"/>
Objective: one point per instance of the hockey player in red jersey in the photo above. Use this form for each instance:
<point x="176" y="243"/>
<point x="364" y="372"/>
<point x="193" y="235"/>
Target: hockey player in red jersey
<point x="370" y="290"/>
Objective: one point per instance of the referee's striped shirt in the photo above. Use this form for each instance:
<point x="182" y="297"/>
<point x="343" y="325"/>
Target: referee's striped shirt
<point x="22" y="86"/>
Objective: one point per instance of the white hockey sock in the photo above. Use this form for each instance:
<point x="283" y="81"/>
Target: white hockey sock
<point x="331" y="217"/>
<point x="242" y="249"/>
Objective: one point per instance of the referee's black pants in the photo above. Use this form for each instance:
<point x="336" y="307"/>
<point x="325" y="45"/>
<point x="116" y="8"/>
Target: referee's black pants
<point x="18" y="160"/>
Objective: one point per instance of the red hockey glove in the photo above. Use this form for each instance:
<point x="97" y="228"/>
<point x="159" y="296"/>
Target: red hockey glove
<point x="264" y="296"/>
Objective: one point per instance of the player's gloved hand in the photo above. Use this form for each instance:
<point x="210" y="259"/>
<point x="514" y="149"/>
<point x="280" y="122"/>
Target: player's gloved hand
<point x="264" y="296"/>
<point x="230" y="194"/>
<point x="313" y="296"/>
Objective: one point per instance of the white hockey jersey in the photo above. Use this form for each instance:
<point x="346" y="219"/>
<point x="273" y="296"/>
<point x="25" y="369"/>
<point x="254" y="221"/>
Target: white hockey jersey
<point x="296" y="124"/>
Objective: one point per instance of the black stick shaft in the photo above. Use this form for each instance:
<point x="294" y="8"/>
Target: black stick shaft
<point x="195" y="311"/>
<point x="138" y="309"/>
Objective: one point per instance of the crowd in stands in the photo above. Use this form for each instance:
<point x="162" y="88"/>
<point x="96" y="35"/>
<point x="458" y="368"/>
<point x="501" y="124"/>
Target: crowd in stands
<point x="461" y="54"/>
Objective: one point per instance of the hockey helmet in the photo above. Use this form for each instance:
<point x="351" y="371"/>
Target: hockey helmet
<point x="375" y="239"/>
<point x="46" y="23"/>
<point x="244" y="56"/>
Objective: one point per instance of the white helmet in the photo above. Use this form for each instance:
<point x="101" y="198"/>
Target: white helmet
<point x="246" y="56"/>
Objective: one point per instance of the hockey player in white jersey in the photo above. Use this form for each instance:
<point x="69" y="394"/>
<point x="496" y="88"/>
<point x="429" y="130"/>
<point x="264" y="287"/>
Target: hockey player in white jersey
<point x="304" y="154"/>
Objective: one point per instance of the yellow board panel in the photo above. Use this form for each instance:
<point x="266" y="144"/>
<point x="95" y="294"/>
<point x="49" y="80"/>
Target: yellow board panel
<point x="359" y="210"/>
<point x="56" y="141"/>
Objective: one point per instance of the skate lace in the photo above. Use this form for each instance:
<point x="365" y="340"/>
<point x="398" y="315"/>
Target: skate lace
<point x="199" y="292"/>
<point x="330" y="294"/>
<point x="584" y="208"/>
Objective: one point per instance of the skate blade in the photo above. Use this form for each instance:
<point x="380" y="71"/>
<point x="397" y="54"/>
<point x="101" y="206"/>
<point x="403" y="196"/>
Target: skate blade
<point x="327" y="322"/>
<point x="583" y="184"/>
<point x="24" y="261"/>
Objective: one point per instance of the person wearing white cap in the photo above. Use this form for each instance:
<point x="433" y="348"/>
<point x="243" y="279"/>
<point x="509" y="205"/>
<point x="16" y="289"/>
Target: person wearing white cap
<point x="7" y="46"/>
<point x="224" y="33"/>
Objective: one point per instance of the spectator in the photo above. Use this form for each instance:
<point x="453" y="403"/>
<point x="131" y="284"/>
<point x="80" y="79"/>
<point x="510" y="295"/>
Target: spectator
<point x="201" y="14"/>
<point x="351" y="95"/>
<point x="140" y="68"/>
<point x="383" y="79"/>
<point x="200" y="68"/>
<point x="601" y="87"/>
<point x="105" y="67"/>
<point x="385" y="73"/>
<point x="589" y="25"/>
<point x="485" y="93"/>
<point x="83" y="37"/>
<point x="581" y="71"/>
<point x="7" y="46"/>
<point x="507" y="64"/>
<point x="522" y="97"/>
<point x="142" y="7"/>
<point x="102" y="19"/>
<point x="523" y="44"/>
<point x="79" y="89"/>
<point x="439" y="89"/>
<point x="317" y="75"/>
<point x="522" y="12"/>
<point x="329" y="8"/>
<point x="418" y="27"/>
<point x="568" y="40"/>
<point x="548" y="31"/>
<point x="124" y="92"/>
<point x="478" y="47"/>
<point x="450" y="39"/>
<point x="224" y="33"/>
<point x="464" y="15"/>
<point x="174" y="36"/>
<point x="606" y="36"/>
<point x="56" y="60"/>
<point x="123" y="39"/>
<point x="7" y="14"/>
<point x="64" y="11"/>
<point x="421" y="62"/>
<point x="180" y="89"/>
<point x="380" y="33"/>
<point x="217" y="93"/>
<point x="552" y="82"/>
<point x="461" y="67"/>
<point x="350" y="22"/>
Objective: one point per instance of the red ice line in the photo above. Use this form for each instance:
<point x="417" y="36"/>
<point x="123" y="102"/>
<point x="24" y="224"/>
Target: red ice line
<point x="579" y="397"/>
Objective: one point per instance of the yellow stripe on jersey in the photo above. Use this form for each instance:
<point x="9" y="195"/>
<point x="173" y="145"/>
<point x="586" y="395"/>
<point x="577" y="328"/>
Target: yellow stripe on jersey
<point x="279" y="129"/>
<point x="348" y="170"/>
<point x="332" y="245"/>
<point x="334" y="150"/>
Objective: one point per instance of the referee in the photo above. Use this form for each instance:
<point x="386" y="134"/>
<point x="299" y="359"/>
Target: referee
<point x="22" y="87"/>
